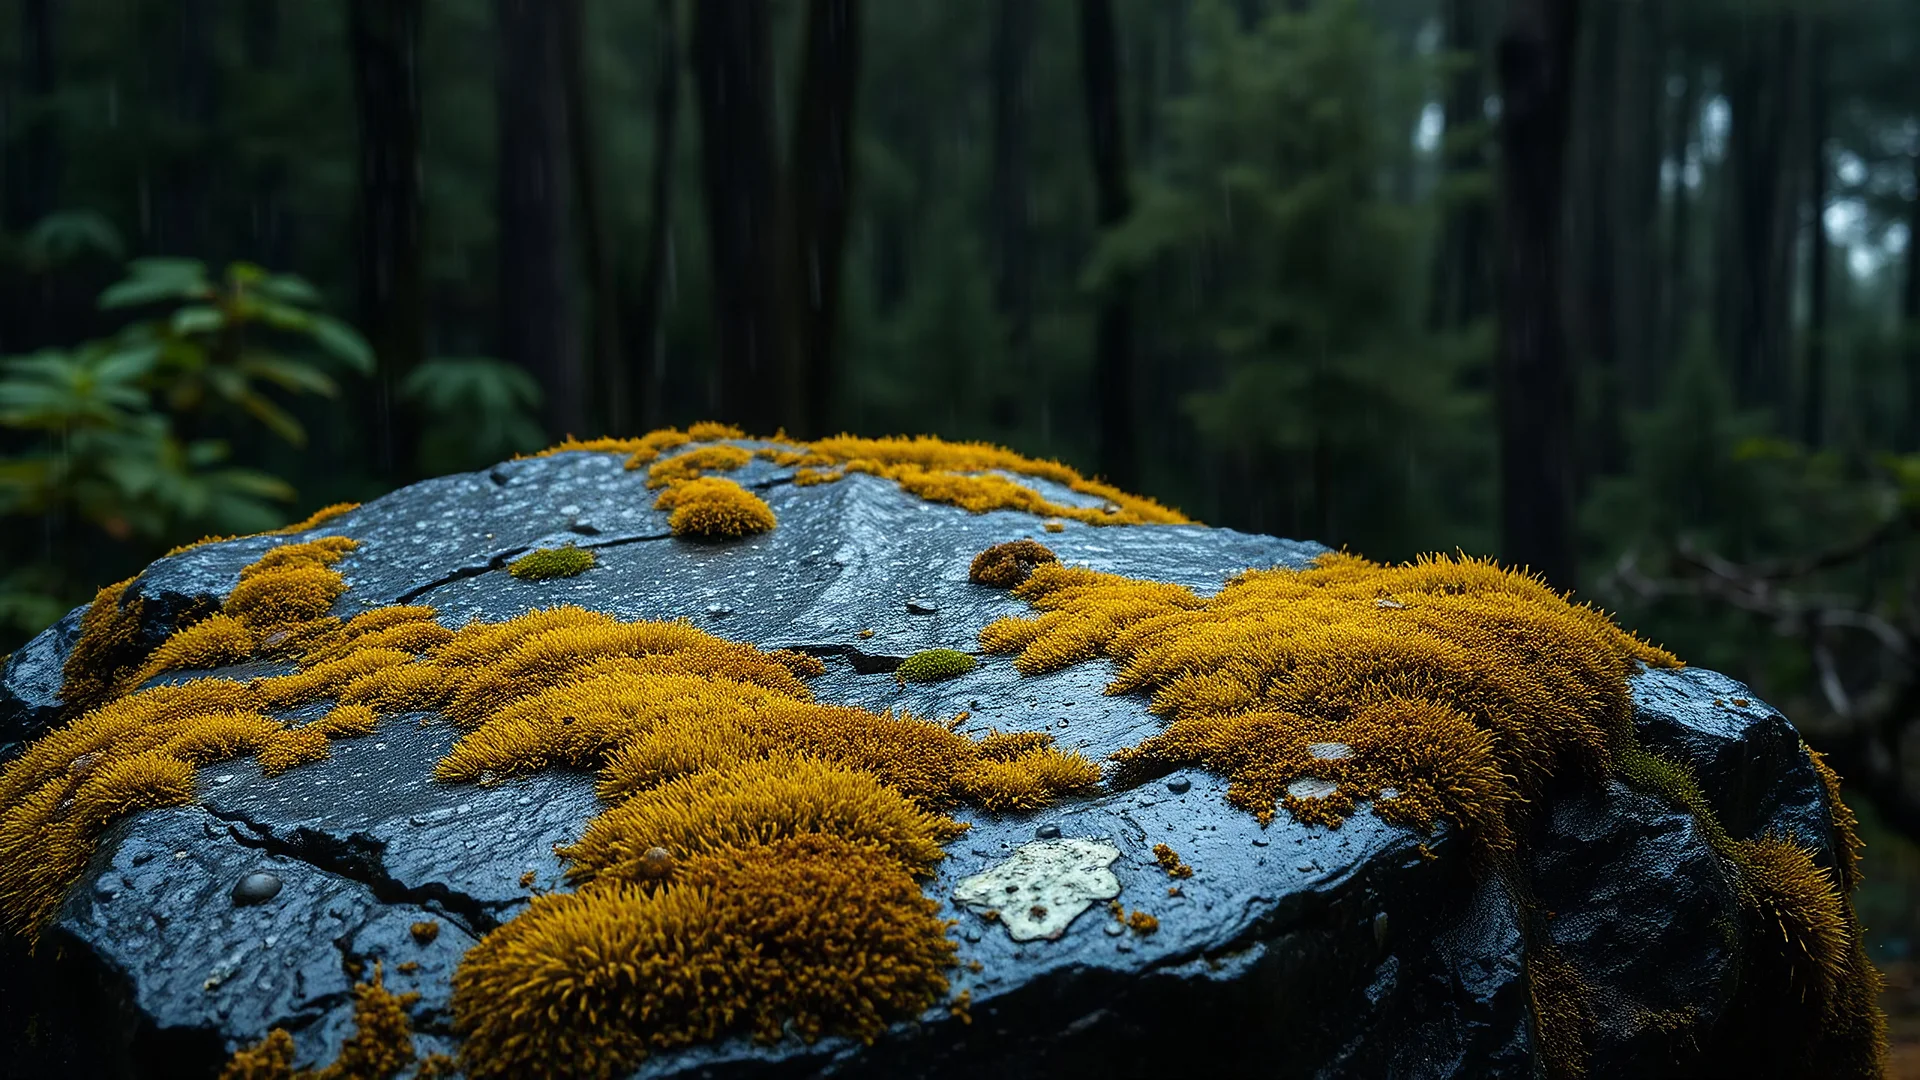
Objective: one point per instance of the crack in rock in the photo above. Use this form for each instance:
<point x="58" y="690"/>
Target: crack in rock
<point x="362" y="858"/>
<point x="864" y="663"/>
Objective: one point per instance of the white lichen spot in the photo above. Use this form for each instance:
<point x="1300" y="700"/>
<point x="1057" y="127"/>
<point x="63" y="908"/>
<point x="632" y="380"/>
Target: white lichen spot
<point x="1330" y="751"/>
<point x="1312" y="787"/>
<point x="1042" y="887"/>
<point x="1388" y="794"/>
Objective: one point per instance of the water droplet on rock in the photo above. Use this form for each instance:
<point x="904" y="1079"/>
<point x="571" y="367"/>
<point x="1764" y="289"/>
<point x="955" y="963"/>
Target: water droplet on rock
<point x="1380" y="928"/>
<point x="256" y="888"/>
<point x="656" y="863"/>
<point x="922" y="607"/>
<point x="223" y="778"/>
<point x="1179" y="785"/>
<point x="718" y="612"/>
<point x="1047" y="832"/>
<point x="1114" y="929"/>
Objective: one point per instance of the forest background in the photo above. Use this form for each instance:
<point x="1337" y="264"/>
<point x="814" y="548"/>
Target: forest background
<point x="1627" y="291"/>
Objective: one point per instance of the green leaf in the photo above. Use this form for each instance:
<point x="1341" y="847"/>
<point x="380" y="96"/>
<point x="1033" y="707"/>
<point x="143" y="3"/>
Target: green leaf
<point x="198" y="319"/>
<point x="343" y="341"/>
<point x="152" y="280"/>
<point x="301" y="378"/>
<point x="276" y="419"/>
<point x="290" y="288"/>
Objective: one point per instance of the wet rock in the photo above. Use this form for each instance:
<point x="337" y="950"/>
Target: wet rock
<point x="1292" y="951"/>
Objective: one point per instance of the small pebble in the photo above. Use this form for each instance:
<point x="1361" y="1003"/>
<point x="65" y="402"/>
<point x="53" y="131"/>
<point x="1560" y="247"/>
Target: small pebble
<point x="657" y="862"/>
<point x="1123" y="945"/>
<point x="1114" y="929"/>
<point x="1179" y="785"/>
<point x="1047" y="832"/>
<point x="256" y="888"/>
<point x="922" y="607"/>
<point x="223" y="778"/>
<point x="1380" y="929"/>
<point x="971" y="935"/>
<point x="1259" y="841"/>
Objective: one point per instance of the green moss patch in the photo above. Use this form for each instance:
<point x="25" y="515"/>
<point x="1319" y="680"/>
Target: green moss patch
<point x="565" y="561"/>
<point x="933" y="665"/>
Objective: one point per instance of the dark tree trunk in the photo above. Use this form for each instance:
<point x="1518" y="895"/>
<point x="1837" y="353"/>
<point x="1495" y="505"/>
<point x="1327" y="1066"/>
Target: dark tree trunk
<point x="385" y="41"/>
<point x="1639" y="89"/>
<point x="1462" y="291"/>
<point x="1814" y="397"/>
<point x="1532" y="384"/>
<point x="1910" y="313"/>
<point x="1008" y="199"/>
<point x="32" y="175"/>
<point x="537" y="328"/>
<point x="1679" y="292"/>
<point x="268" y="221"/>
<point x="1113" y="375"/>
<point x="182" y="214"/>
<point x="733" y="74"/>
<point x="607" y="369"/>
<point x="821" y="192"/>
<point x="1593" y="311"/>
<point x="648" y="324"/>
<point x="1763" y="208"/>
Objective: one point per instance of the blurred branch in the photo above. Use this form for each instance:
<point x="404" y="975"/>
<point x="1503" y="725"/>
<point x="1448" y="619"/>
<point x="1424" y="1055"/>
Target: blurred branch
<point x="1864" y="726"/>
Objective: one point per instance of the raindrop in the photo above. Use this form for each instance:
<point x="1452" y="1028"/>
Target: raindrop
<point x="922" y="607"/>
<point x="1047" y="832"/>
<point x="256" y="888"/>
<point x="1179" y="785"/>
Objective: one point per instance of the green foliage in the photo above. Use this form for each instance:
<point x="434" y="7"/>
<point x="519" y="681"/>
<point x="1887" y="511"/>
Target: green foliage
<point x="477" y="411"/>
<point x="1302" y="280"/>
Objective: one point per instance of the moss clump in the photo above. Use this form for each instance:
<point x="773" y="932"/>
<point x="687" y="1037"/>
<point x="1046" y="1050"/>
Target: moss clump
<point x="545" y="563"/>
<point x="592" y="982"/>
<point x="107" y="651"/>
<point x="973" y="476"/>
<point x="1450" y="689"/>
<point x="380" y="1048"/>
<point x="714" y="508"/>
<point x="933" y="665"/>
<point x="695" y="462"/>
<point x="1004" y="566"/>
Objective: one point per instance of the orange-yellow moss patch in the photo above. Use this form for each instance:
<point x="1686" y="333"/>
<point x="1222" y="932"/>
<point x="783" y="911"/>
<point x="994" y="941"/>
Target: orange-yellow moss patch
<point x="692" y="463"/>
<point x="743" y="939"/>
<point x="714" y="508"/>
<point x="380" y="1048"/>
<point x="1004" y="566"/>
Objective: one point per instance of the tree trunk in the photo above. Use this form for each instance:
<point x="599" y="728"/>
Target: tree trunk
<point x="1593" y="311"/>
<point x="268" y="220"/>
<point x="607" y="368"/>
<point x="1639" y="89"/>
<point x="1679" y="285"/>
<point x="385" y="42"/>
<point x="32" y="175"/>
<point x="537" y="330"/>
<point x="733" y="74"/>
<point x="1113" y="335"/>
<point x="648" y="323"/>
<point x="1910" y="312"/>
<point x="182" y="217"/>
<point x="1763" y="207"/>
<point x="1532" y="385"/>
<point x="822" y="185"/>
<point x="1009" y="207"/>
<point x="1461" y="289"/>
<point x="1814" y="397"/>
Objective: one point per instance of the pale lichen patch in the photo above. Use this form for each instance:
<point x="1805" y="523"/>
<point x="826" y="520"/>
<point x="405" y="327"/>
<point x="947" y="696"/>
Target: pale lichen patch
<point x="1043" y="886"/>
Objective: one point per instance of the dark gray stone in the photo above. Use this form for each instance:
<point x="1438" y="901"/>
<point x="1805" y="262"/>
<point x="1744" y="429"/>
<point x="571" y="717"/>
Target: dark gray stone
<point x="1293" y="950"/>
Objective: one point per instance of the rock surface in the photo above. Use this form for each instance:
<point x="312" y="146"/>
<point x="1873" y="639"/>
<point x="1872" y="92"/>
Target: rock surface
<point x="1293" y="950"/>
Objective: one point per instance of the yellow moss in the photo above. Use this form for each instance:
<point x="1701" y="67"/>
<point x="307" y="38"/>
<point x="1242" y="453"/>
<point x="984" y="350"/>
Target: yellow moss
<point x="403" y="688"/>
<point x="713" y="431"/>
<point x="327" y="679"/>
<point x="1142" y="923"/>
<point x="714" y="508"/>
<point x="221" y="736"/>
<point x="1558" y="996"/>
<point x="215" y="641"/>
<point x="269" y="1059"/>
<point x="756" y="802"/>
<point x="692" y="463"/>
<point x="346" y="722"/>
<point x="107" y="652"/>
<point x="1003" y="566"/>
<point x="544" y="563"/>
<point x="638" y="451"/>
<point x="293" y="746"/>
<point x="808" y="477"/>
<point x="1169" y="860"/>
<point x="314" y="520"/>
<point x="1846" y="827"/>
<point x="412" y="637"/>
<point x="813" y="934"/>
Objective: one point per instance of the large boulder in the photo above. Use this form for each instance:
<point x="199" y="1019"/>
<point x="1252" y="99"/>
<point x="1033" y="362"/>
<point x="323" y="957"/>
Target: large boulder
<point x="1368" y="948"/>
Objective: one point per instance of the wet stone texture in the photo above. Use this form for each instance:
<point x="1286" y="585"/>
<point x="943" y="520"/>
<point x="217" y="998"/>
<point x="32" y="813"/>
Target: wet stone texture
<point x="1293" y="950"/>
